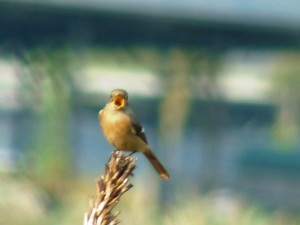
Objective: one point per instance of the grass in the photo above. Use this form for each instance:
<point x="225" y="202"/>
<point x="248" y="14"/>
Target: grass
<point x="24" y="203"/>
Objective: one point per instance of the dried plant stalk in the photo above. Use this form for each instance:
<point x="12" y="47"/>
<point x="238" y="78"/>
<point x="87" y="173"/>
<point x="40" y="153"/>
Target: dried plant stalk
<point x="112" y="185"/>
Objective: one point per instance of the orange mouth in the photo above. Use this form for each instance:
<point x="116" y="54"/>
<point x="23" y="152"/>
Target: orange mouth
<point x="119" y="101"/>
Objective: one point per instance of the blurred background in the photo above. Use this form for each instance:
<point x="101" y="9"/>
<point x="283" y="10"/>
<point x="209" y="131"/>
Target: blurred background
<point x="216" y="85"/>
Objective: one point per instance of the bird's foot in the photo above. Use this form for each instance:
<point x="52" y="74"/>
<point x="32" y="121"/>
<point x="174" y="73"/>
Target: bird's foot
<point x="132" y="153"/>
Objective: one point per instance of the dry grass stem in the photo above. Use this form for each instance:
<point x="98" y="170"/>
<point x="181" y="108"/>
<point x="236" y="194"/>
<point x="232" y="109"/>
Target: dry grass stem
<point x="112" y="185"/>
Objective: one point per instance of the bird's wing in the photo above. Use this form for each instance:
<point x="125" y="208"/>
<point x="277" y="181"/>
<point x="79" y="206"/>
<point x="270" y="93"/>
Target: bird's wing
<point x="138" y="130"/>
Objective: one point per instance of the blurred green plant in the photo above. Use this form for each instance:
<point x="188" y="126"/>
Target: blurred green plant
<point x="286" y="93"/>
<point x="47" y="89"/>
<point x="208" y="210"/>
<point x="21" y="203"/>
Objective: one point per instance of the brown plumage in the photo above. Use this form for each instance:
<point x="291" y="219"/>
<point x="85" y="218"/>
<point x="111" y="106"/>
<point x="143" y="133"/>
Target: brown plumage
<point x="123" y="130"/>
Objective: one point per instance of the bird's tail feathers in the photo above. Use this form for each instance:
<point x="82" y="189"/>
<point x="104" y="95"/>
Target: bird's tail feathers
<point x="156" y="164"/>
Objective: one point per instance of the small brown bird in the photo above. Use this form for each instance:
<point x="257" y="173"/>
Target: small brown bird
<point x="123" y="130"/>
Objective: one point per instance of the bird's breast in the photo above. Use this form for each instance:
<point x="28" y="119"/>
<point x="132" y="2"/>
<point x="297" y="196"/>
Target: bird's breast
<point x="117" y="129"/>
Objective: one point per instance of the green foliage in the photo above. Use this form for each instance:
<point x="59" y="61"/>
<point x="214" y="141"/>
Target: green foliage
<point x="23" y="202"/>
<point x="286" y="92"/>
<point x="48" y="86"/>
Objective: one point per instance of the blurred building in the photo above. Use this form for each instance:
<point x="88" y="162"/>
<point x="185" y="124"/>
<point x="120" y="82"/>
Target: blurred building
<point x="225" y="24"/>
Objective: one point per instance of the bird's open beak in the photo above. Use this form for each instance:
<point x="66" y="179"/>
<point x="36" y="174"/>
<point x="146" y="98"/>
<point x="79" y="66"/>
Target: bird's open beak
<point x="119" y="101"/>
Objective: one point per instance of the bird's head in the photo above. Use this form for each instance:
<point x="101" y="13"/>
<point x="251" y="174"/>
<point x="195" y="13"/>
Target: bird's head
<point x="119" y="98"/>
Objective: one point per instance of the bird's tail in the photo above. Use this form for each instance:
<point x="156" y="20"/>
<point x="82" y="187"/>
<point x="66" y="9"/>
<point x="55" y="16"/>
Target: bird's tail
<point x="156" y="164"/>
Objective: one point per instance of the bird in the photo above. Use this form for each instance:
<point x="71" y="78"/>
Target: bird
<point x="124" y="131"/>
